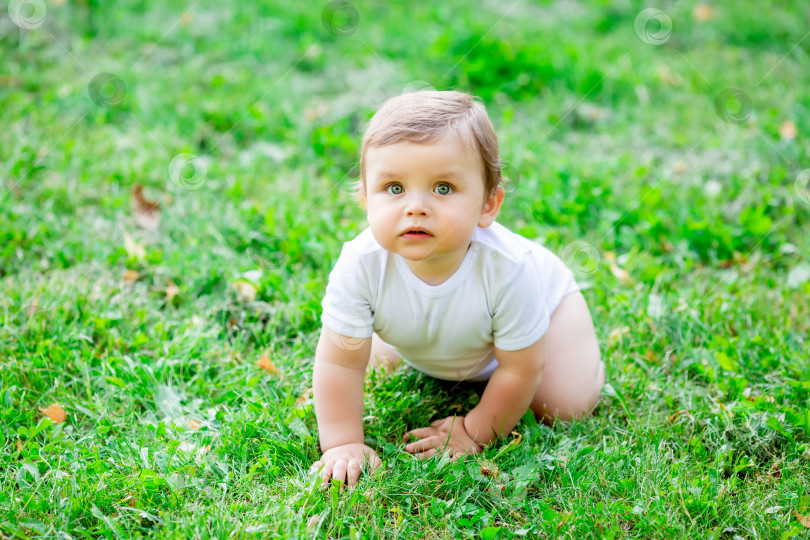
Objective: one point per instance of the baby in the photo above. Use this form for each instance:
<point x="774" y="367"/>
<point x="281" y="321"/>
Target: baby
<point x="436" y="282"/>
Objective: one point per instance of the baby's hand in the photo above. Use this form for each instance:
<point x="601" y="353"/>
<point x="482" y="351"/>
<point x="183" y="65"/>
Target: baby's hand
<point x="446" y="435"/>
<point x="344" y="462"/>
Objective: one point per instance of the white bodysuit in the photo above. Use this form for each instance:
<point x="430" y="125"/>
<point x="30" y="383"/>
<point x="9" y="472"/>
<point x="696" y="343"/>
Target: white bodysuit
<point x="501" y="296"/>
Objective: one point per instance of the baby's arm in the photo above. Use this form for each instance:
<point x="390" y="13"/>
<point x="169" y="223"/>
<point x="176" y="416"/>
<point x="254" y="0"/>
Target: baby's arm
<point x="337" y="386"/>
<point x="508" y="394"/>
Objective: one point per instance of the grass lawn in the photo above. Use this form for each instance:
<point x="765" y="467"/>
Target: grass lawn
<point x="662" y="149"/>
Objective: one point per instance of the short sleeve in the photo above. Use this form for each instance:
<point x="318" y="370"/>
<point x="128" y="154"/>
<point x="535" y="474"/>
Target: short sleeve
<point x="347" y="307"/>
<point x="521" y="315"/>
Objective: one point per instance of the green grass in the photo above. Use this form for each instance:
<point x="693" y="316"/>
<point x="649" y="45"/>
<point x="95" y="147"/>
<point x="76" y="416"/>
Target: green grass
<point x="619" y="156"/>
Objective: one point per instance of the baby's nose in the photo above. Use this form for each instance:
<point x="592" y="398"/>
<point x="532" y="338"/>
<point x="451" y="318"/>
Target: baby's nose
<point x="416" y="206"/>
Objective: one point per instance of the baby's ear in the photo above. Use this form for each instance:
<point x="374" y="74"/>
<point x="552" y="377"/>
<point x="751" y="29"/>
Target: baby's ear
<point x="491" y="207"/>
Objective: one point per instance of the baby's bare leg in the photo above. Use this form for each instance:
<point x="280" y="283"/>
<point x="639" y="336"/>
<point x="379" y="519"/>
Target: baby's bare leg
<point x="383" y="356"/>
<point x="574" y="374"/>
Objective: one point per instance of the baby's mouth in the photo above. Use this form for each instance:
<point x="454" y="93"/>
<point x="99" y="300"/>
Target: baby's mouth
<point x="416" y="232"/>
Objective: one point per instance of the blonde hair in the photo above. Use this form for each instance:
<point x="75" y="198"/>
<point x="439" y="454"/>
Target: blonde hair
<point x="424" y="116"/>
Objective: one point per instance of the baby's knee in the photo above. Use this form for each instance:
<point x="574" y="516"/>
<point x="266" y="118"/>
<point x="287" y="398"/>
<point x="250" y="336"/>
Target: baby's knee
<point x="576" y="401"/>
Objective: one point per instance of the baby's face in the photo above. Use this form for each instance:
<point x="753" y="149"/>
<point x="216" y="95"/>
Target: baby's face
<point x="425" y="200"/>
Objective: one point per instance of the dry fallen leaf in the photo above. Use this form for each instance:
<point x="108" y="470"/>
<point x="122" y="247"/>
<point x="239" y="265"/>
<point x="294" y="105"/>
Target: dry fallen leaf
<point x="617" y="333"/>
<point x="147" y="213"/>
<point x="703" y="13"/>
<point x="194" y="424"/>
<point x="489" y="469"/>
<point x="788" y="130"/>
<point x="133" y="248"/>
<point x="245" y="291"/>
<point x="55" y="412"/>
<point x="305" y="396"/>
<point x="19" y="445"/>
<point x="620" y="273"/>
<point x="171" y="291"/>
<point x="130" y="276"/>
<point x="804" y="520"/>
<point x="668" y="77"/>
<point x="266" y="364"/>
<point x="33" y="308"/>
<point x="674" y="416"/>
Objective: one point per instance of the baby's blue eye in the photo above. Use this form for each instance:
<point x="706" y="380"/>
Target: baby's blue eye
<point x="443" y="189"/>
<point x="394" y="189"/>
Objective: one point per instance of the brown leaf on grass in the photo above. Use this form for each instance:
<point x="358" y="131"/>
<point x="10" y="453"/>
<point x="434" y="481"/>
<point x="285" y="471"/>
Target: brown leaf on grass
<point x="147" y="213"/>
<point x="8" y="80"/>
<point x="804" y="520"/>
<point x="55" y="412"/>
<point x="133" y="248"/>
<point x="18" y="445"/>
<point x="668" y="77"/>
<point x="194" y="424"/>
<point x="788" y="130"/>
<point x="245" y="291"/>
<point x="703" y="13"/>
<point x="33" y="308"/>
<point x="305" y="396"/>
<point x="489" y="469"/>
<point x="617" y="333"/>
<point x="130" y="276"/>
<point x="620" y="273"/>
<point x="171" y="291"/>
<point x="776" y="469"/>
<point x="267" y="365"/>
<point x="674" y="416"/>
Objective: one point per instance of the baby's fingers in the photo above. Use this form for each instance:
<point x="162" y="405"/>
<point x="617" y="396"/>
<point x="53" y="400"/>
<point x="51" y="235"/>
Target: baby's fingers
<point x="325" y="470"/>
<point x="427" y="454"/>
<point x="424" y="444"/>
<point x="420" y="433"/>
<point x="373" y="462"/>
<point x="440" y="421"/>
<point x="339" y="471"/>
<point x="353" y="472"/>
